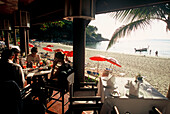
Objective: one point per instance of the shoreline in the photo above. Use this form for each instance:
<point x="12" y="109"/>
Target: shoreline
<point x="154" y="69"/>
<point x="87" y="48"/>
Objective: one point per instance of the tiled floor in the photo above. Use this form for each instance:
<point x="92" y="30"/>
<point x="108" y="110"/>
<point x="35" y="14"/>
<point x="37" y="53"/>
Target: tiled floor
<point x="57" y="107"/>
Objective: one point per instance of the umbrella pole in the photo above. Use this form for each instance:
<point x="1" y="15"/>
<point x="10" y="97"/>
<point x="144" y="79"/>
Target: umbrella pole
<point x="110" y="66"/>
<point x="97" y="66"/>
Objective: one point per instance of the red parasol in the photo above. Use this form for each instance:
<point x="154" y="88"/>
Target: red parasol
<point x="58" y="50"/>
<point x="113" y="61"/>
<point x="48" y="49"/>
<point x="97" y="58"/>
<point x="31" y="45"/>
<point x="50" y="46"/>
<point x="69" y="54"/>
<point x="33" y="40"/>
<point x="65" y="52"/>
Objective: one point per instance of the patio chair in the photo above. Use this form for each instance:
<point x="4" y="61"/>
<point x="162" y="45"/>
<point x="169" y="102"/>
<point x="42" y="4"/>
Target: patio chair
<point x="61" y="89"/>
<point x="84" y="99"/>
<point x="115" y="110"/>
<point x="12" y="97"/>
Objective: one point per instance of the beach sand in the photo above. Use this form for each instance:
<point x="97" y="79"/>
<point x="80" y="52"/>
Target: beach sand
<point x="156" y="70"/>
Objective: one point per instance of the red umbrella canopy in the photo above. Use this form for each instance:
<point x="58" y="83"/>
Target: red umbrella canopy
<point x="58" y="50"/>
<point x="65" y="52"/>
<point x="69" y="54"/>
<point x="113" y="61"/>
<point x="50" y="46"/>
<point x="33" y="40"/>
<point x="98" y="58"/>
<point x="31" y="45"/>
<point x="48" y="49"/>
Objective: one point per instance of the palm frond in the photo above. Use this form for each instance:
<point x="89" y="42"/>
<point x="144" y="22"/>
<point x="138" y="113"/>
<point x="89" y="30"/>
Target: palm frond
<point x="131" y="15"/>
<point x="126" y="29"/>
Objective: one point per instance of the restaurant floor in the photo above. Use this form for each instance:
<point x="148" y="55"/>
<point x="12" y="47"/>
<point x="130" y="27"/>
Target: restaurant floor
<point x="57" y="107"/>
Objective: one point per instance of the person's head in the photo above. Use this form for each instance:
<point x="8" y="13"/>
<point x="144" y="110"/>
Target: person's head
<point x="7" y="54"/>
<point x="59" y="57"/>
<point x="34" y="50"/>
<point x="16" y="51"/>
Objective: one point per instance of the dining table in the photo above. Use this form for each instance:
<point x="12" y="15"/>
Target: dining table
<point x="37" y="75"/>
<point x="115" y="91"/>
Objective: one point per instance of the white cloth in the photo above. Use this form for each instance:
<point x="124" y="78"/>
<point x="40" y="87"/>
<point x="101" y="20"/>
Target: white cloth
<point x="20" y="68"/>
<point x="111" y="81"/>
<point x="134" y="88"/>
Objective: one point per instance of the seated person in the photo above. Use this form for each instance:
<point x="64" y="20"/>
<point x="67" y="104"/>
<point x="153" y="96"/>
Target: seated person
<point x="59" y="79"/>
<point x="59" y="65"/>
<point x="10" y="70"/>
<point x="33" y="57"/>
<point x="16" y="55"/>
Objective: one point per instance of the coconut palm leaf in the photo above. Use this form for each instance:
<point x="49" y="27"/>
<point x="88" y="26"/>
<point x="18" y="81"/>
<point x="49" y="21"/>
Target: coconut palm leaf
<point x="140" y="13"/>
<point x="139" y="17"/>
<point x="126" y="29"/>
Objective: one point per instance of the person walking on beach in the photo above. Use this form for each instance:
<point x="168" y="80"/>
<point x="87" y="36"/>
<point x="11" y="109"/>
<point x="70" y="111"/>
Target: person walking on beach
<point x="150" y="52"/>
<point x="156" y="53"/>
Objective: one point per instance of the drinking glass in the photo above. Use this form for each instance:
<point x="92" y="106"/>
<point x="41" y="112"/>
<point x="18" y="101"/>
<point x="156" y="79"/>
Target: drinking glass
<point x="41" y="62"/>
<point x="24" y="66"/>
<point x="34" y="65"/>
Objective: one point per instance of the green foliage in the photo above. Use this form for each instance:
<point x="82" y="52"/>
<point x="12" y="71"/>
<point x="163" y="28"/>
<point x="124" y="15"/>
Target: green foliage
<point x="139" y="18"/>
<point x="57" y="31"/>
<point x="46" y="26"/>
<point x="61" y="31"/>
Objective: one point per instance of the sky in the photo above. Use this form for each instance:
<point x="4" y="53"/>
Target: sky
<point x="107" y="25"/>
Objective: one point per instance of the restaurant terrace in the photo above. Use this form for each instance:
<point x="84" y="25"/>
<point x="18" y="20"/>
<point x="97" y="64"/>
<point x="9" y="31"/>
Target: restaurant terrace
<point x="24" y="14"/>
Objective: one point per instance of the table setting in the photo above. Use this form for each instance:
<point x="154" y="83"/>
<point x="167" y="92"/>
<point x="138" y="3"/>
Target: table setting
<point x="120" y="91"/>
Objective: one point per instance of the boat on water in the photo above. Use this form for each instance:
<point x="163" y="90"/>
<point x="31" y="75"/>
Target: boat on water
<point x="142" y="49"/>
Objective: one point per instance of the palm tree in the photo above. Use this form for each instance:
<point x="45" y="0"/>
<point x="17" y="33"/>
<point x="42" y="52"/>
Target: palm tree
<point x="139" y="18"/>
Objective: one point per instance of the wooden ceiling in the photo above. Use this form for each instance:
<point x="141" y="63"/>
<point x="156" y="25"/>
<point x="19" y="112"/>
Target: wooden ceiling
<point x="50" y="10"/>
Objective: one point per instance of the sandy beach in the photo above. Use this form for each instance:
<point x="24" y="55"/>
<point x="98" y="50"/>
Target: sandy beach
<point x="156" y="70"/>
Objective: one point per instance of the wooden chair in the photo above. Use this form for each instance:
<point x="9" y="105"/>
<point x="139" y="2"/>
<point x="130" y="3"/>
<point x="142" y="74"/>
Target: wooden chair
<point x="12" y="97"/>
<point x="115" y="110"/>
<point x="84" y="99"/>
<point x="61" y="89"/>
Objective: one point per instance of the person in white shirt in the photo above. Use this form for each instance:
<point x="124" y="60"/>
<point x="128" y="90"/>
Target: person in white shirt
<point x="10" y="70"/>
<point x="33" y="58"/>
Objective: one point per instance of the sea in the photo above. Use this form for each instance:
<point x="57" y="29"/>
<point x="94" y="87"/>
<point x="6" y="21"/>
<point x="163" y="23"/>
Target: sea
<point x="127" y="46"/>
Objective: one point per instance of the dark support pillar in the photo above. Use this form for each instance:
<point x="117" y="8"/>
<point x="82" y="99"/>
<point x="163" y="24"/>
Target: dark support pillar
<point x="23" y="47"/>
<point x="15" y="36"/>
<point x="79" y="42"/>
<point x="6" y="35"/>
<point x="27" y="40"/>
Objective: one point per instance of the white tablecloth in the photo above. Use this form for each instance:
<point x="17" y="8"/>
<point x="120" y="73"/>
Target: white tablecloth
<point x="105" y="89"/>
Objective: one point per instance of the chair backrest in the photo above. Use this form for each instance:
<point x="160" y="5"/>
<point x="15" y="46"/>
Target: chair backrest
<point x="70" y="79"/>
<point x="64" y="78"/>
<point x="142" y="106"/>
<point x="10" y="97"/>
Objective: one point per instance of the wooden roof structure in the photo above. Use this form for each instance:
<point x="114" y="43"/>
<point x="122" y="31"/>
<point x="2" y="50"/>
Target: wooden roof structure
<point x="44" y="11"/>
